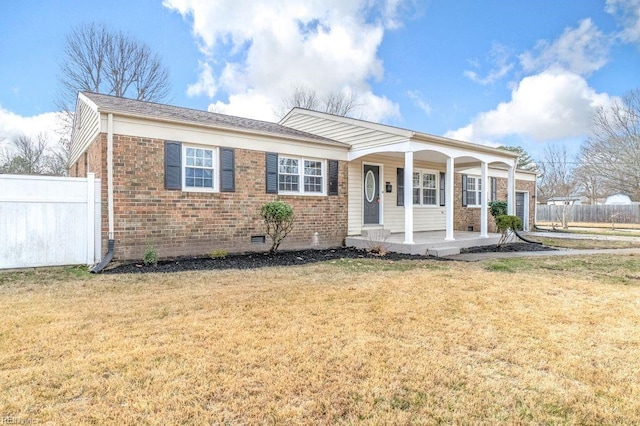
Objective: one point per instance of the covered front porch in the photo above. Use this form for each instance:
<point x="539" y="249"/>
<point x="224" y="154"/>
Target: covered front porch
<point x="427" y="243"/>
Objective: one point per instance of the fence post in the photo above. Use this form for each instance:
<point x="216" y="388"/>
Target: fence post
<point x="91" y="206"/>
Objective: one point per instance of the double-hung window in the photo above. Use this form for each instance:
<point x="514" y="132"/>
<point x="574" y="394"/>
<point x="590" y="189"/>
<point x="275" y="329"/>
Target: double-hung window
<point x="474" y="191"/>
<point x="425" y="184"/>
<point x="301" y="175"/>
<point x="198" y="166"/>
<point x="289" y="174"/>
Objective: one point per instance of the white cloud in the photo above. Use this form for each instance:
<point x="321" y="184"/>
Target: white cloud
<point x="628" y="12"/>
<point x="553" y="105"/>
<point x="206" y="83"/>
<point x="581" y="50"/>
<point x="265" y="48"/>
<point x="418" y="101"/>
<point x="12" y="125"/>
<point x="499" y="57"/>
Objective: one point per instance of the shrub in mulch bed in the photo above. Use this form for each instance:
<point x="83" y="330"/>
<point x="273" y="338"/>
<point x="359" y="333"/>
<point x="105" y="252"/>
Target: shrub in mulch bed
<point x="291" y="258"/>
<point x="255" y="260"/>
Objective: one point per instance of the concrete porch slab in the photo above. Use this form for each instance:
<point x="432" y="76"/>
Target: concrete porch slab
<point x="431" y="243"/>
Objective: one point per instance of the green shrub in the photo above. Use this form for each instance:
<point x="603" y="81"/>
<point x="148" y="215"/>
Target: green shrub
<point x="150" y="255"/>
<point x="507" y="224"/>
<point x="218" y="254"/>
<point x="278" y="217"/>
<point x="498" y="208"/>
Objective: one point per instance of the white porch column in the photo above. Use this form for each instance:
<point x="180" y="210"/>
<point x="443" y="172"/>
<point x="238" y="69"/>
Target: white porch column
<point x="448" y="200"/>
<point x="511" y="195"/>
<point x="408" y="197"/>
<point x="484" y="196"/>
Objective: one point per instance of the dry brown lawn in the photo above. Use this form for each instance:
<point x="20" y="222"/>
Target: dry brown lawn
<point x="521" y="341"/>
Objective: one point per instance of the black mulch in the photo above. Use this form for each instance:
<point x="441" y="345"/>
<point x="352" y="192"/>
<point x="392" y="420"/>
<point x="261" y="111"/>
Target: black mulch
<point x="511" y="247"/>
<point x="289" y="258"/>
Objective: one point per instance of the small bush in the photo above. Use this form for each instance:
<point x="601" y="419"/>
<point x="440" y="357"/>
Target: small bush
<point x="218" y="254"/>
<point x="507" y="224"/>
<point x="278" y="217"/>
<point x="150" y="255"/>
<point x="498" y="208"/>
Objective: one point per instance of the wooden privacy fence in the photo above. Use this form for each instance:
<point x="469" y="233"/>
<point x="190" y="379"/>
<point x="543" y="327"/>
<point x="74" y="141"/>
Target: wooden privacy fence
<point x="49" y="221"/>
<point x="590" y="214"/>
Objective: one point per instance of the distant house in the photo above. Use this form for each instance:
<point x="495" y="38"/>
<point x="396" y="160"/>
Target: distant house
<point x="190" y="181"/>
<point x="618" y="199"/>
<point x="575" y="200"/>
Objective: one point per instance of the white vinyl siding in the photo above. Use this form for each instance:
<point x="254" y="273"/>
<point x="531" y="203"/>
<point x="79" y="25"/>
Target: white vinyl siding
<point x="424" y="219"/>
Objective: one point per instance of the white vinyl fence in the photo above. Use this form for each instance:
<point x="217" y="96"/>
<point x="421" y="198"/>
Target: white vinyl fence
<point x="49" y="221"/>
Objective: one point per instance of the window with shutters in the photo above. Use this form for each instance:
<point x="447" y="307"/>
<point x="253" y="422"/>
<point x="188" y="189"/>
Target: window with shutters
<point x="425" y="187"/>
<point x="301" y="176"/>
<point x="199" y="168"/>
<point x="474" y="191"/>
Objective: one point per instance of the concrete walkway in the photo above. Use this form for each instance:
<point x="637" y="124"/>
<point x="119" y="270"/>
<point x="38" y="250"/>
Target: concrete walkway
<point x="474" y="257"/>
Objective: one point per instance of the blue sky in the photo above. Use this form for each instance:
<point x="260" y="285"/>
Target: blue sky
<point x="488" y="71"/>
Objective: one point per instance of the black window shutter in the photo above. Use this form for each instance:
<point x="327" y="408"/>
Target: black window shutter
<point x="333" y="177"/>
<point x="443" y="194"/>
<point x="227" y="170"/>
<point x="494" y="189"/>
<point x="400" y="186"/>
<point x="464" y="190"/>
<point x="172" y="165"/>
<point x="271" y="173"/>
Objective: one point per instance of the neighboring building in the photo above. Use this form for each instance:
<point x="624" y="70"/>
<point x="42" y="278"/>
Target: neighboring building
<point x="575" y="200"/>
<point x="618" y="199"/>
<point x="189" y="181"/>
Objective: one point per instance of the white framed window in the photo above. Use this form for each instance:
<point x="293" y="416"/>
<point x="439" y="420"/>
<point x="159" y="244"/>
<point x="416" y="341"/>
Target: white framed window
<point x="301" y="175"/>
<point x="425" y="187"/>
<point x="288" y="174"/>
<point x="199" y="165"/>
<point x="474" y="191"/>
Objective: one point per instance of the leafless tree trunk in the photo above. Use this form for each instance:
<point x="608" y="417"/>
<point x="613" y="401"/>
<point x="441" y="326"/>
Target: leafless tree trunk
<point x="612" y="152"/>
<point x="344" y="104"/>
<point x="557" y="177"/>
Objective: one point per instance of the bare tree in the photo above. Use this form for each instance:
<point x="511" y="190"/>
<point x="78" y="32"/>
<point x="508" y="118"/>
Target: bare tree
<point x="612" y="152"/>
<point x="589" y="184"/>
<point x="337" y="102"/>
<point x="557" y="178"/>
<point x="99" y="60"/>
<point x="24" y="155"/>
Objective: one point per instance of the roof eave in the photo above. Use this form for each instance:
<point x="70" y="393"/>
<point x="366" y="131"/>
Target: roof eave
<point x="462" y="144"/>
<point x="335" y="144"/>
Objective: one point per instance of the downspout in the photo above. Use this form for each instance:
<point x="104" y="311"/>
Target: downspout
<point x="111" y="241"/>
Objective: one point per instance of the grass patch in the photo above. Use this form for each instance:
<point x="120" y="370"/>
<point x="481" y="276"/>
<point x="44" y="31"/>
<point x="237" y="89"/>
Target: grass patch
<point x="536" y="340"/>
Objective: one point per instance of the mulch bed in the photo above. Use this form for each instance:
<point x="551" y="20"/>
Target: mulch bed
<point x="511" y="247"/>
<point x="288" y="258"/>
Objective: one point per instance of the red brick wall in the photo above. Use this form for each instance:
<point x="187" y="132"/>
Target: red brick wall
<point x="191" y="223"/>
<point x="470" y="216"/>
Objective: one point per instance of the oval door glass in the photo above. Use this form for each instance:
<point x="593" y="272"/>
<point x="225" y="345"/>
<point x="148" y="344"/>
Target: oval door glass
<point x="370" y="186"/>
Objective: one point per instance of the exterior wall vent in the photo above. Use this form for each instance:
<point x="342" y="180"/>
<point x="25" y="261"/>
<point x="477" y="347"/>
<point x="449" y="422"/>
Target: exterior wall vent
<point x="258" y="239"/>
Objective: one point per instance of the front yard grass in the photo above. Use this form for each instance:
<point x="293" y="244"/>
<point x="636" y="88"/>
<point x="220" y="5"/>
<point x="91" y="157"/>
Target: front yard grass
<point x="579" y="244"/>
<point x="534" y="341"/>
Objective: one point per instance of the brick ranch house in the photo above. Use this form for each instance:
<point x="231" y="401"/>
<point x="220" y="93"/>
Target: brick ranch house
<point x="189" y="182"/>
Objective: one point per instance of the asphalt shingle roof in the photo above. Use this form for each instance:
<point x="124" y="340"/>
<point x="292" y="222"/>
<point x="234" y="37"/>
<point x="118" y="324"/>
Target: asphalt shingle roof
<point x="107" y="103"/>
